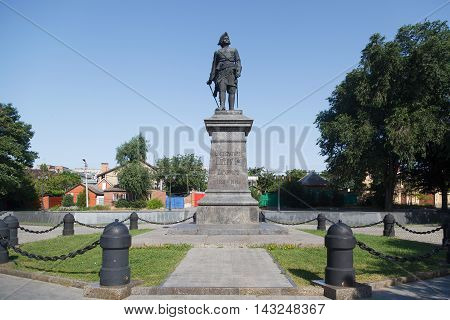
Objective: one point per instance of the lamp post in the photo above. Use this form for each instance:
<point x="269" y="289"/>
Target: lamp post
<point x="86" y="182"/>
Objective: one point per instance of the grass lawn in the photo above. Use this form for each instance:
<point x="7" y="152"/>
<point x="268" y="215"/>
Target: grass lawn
<point x="150" y="264"/>
<point x="307" y="264"/>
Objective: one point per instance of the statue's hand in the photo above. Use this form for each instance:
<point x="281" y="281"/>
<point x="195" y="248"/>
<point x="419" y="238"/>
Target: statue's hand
<point x="209" y="82"/>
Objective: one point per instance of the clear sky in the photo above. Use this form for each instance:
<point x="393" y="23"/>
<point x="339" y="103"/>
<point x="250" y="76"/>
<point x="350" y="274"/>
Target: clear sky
<point x="145" y="56"/>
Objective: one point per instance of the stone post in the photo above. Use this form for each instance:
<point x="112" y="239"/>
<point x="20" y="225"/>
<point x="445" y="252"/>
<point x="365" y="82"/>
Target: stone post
<point x="4" y="233"/>
<point x="69" y="221"/>
<point x="115" y="242"/>
<point x="134" y="221"/>
<point x="321" y="222"/>
<point x="340" y="243"/>
<point x="13" y="224"/>
<point x="389" y="224"/>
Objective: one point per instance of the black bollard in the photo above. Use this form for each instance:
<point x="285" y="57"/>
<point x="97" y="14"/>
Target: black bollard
<point x="389" y="230"/>
<point x="4" y="233"/>
<point x="13" y="225"/>
<point x="262" y="217"/>
<point x="115" y="242"/>
<point x="69" y="221"/>
<point x="134" y="221"/>
<point x="321" y="222"/>
<point x="447" y="240"/>
<point x="340" y="243"/>
<point x="194" y="218"/>
<point x="445" y="229"/>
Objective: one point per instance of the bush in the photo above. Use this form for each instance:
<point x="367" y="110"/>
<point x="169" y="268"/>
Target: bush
<point x="81" y="199"/>
<point x="137" y="204"/>
<point x="122" y="203"/>
<point x="67" y="200"/>
<point x="154" y="204"/>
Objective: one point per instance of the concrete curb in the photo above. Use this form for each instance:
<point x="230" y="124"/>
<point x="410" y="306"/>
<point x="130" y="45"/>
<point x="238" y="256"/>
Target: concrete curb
<point x="418" y="276"/>
<point x="303" y="291"/>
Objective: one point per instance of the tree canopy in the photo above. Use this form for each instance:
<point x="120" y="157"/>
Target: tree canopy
<point x="55" y="184"/>
<point x="133" y="176"/>
<point x="388" y="111"/>
<point x="182" y="172"/>
<point x="15" y="157"/>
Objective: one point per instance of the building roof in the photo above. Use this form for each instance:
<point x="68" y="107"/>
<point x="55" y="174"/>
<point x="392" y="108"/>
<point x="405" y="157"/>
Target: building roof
<point x="114" y="189"/>
<point x="313" y="179"/>
<point x="91" y="187"/>
<point x="118" y="167"/>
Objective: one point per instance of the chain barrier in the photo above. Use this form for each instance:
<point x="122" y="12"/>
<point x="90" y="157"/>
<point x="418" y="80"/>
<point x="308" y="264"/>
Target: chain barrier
<point x="289" y="223"/>
<point x="69" y="255"/>
<point x="97" y="227"/>
<point x="165" y="223"/>
<point x="330" y="221"/>
<point x="378" y="254"/>
<point x="366" y="225"/>
<point x="418" y="232"/>
<point x="42" y="231"/>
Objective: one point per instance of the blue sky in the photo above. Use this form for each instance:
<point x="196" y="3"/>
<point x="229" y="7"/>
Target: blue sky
<point x="163" y="50"/>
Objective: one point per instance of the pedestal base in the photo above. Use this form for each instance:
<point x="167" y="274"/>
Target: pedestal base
<point x="227" y="229"/>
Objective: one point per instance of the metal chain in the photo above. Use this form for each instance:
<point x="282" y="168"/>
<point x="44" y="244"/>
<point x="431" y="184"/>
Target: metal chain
<point x="366" y="225"/>
<point x="69" y="255"/>
<point x="42" y="231"/>
<point x="289" y="223"/>
<point x="331" y="221"/>
<point x="165" y="223"/>
<point x="97" y="227"/>
<point x="376" y="253"/>
<point x="418" y="232"/>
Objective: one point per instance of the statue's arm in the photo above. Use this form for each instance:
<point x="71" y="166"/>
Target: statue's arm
<point x="238" y="64"/>
<point x="213" y="68"/>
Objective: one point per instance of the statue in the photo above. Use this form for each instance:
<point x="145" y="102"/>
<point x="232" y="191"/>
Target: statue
<point x="226" y="69"/>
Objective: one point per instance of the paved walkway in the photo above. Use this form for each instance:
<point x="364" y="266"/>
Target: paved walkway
<point x="227" y="268"/>
<point x="160" y="236"/>
<point x="15" y="288"/>
<point x="434" y="289"/>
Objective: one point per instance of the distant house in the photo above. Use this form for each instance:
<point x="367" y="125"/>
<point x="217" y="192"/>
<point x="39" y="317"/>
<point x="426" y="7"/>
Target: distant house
<point x="95" y="195"/>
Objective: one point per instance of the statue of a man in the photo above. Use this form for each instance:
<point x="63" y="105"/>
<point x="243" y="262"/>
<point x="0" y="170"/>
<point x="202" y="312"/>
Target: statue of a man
<point x="226" y="69"/>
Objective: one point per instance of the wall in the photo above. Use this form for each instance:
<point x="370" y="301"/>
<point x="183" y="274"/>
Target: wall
<point x="50" y="202"/>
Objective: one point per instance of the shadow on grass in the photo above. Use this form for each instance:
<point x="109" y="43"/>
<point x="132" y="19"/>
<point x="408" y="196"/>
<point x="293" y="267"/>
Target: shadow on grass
<point x="305" y="274"/>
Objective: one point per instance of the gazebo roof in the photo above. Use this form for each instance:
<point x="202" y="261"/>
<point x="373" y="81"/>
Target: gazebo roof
<point x="313" y="179"/>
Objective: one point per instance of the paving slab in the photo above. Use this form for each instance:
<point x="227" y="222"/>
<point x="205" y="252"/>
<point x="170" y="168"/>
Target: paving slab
<point x="227" y="268"/>
<point x="432" y="289"/>
<point x="15" y="288"/>
<point x="161" y="235"/>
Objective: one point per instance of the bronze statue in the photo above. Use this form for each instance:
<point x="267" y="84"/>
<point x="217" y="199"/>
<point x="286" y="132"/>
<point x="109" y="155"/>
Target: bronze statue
<point x="226" y="69"/>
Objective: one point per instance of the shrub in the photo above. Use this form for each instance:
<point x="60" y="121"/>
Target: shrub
<point x="155" y="204"/>
<point x="67" y="200"/>
<point x="81" y="199"/>
<point x="99" y="207"/>
<point x="138" y="204"/>
<point x="122" y="203"/>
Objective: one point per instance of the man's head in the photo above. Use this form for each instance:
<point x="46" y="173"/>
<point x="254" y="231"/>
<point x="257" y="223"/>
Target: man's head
<point x="224" y="40"/>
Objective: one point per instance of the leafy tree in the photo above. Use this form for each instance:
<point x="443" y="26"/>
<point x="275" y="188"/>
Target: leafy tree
<point x="81" y="199"/>
<point x="388" y="110"/>
<point x="295" y="174"/>
<point x="55" y="184"/>
<point x="132" y="151"/>
<point x="67" y="200"/>
<point x="15" y="156"/>
<point x="135" y="179"/>
<point x="184" y="172"/>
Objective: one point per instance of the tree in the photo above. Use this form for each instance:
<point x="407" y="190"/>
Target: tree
<point x="55" y="184"/>
<point x="67" y="200"/>
<point x="15" y="156"/>
<point x="295" y="174"/>
<point x="133" y="176"/>
<point x="81" y="199"/>
<point x="135" y="179"/>
<point x="389" y="109"/>
<point x="132" y="151"/>
<point x="182" y="172"/>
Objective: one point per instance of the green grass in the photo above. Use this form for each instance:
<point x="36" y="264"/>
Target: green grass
<point x="307" y="264"/>
<point x="150" y="264"/>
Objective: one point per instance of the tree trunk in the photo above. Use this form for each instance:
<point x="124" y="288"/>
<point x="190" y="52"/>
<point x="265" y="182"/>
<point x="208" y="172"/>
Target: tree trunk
<point x="444" y="192"/>
<point x="390" y="179"/>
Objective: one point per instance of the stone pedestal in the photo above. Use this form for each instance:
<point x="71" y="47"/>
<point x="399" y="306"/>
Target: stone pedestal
<point x="228" y="199"/>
